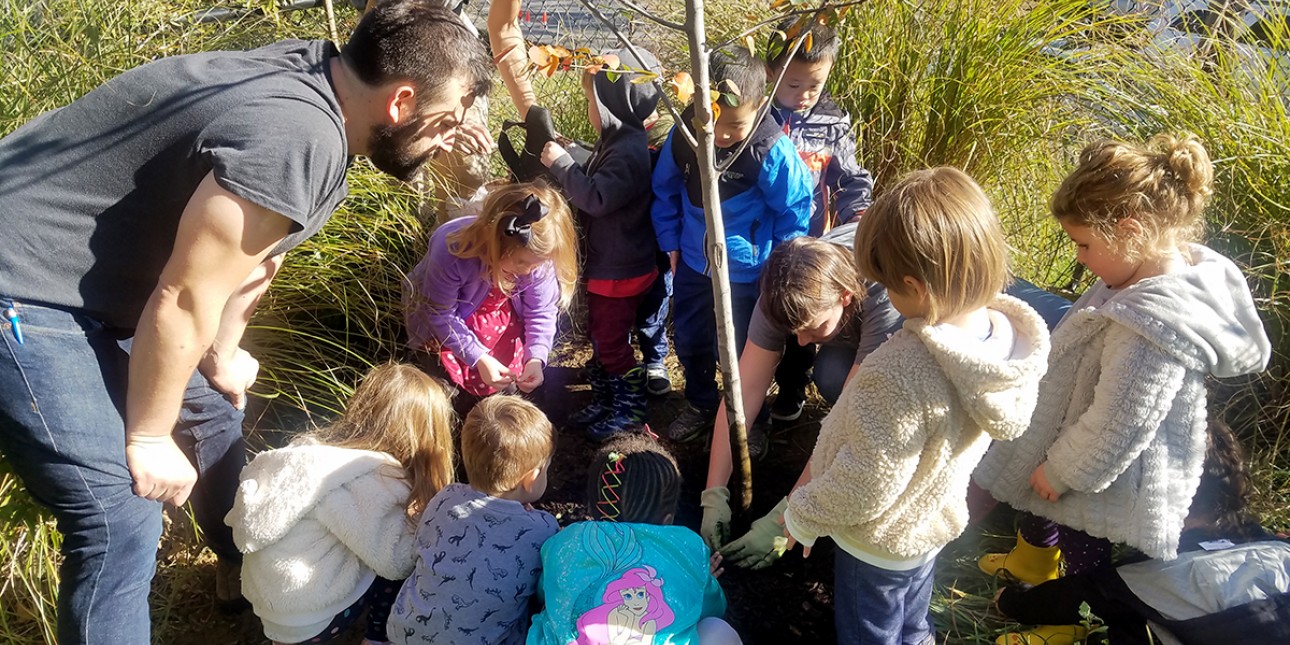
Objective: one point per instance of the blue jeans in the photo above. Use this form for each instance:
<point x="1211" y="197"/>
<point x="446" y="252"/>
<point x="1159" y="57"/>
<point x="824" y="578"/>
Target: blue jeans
<point x="651" y="317"/>
<point x="694" y="327"/>
<point x="876" y="606"/>
<point x="832" y="364"/>
<point x="1050" y="306"/>
<point x="62" y="397"/>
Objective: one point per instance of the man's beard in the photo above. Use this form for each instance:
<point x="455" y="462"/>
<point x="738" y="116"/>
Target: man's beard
<point x="389" y="151"/>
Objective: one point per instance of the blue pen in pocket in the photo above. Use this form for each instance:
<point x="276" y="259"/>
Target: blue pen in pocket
<point x="12" y="315"/>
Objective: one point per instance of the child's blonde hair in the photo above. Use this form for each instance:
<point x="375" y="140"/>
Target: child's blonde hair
<point x="552" y="237"/>
<point x="503" y="438"/>
<point x="937" y="227"/>
<point x="400" y="410"/>
<point x="1162" y="184"/>
<point x="804" y="277"/>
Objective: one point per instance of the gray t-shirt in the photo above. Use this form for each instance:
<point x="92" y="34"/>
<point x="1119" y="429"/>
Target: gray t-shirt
<point x="870" y="326"/>
<point x="91" y="193"/>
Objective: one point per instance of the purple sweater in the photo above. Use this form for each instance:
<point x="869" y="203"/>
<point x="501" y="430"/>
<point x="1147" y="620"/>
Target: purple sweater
<point x="443" y="290"/>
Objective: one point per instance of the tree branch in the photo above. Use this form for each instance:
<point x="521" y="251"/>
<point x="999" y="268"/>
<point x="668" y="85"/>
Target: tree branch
<point x="788" y="14"/>
<point x="658" y="82"/>
<point x="676" y="26"/>
<point x="765" y="107"/>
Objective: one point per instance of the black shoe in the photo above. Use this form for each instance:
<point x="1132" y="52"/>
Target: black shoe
<point x="692" y="424"/>
<point x="657" y="382"/>
<point x="788" y="406"/>
<point x="758" y="440"/>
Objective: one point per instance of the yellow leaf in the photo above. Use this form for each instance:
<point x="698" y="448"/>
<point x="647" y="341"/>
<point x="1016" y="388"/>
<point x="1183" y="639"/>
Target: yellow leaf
<point x="716" y="111"/>
<point x="808" y="42"/>
<point x="593" y="69"/>
<point x="730" y="86"/>
<point x="683" y="85"/>
<point x="561" y="52"/>
<point x="751" y="43"/>
<point x="538" y="55"/>
<point x="778" y="4"/>
<point x="643" y="77"/>
<point x="612" y="61"/>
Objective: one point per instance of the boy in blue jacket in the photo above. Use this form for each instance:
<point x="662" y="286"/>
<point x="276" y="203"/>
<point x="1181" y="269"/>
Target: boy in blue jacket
<point x="765" y="200"/>
<point x="821" y="132"/>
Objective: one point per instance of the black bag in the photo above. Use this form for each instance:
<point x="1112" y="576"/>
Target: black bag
<point x="526" y="163"/>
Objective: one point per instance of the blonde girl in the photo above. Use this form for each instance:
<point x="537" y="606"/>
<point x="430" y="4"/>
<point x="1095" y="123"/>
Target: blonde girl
<point x="483" y="301"/>
<point x="327" y="523"/>
<point x="1115" y="448"/>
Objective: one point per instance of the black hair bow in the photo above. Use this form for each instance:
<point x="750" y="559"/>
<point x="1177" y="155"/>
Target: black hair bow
<point x="521" y="225"/>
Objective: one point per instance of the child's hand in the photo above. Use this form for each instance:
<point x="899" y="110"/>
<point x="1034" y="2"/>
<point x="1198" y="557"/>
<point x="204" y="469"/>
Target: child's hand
<point x="673" y="257"/>
<point x="551" y="152"/>
<point x="531" y="378"/>
<point x="714" y="565"/>
<point x="493" y="373"/>
<point x="1039" y="483"/>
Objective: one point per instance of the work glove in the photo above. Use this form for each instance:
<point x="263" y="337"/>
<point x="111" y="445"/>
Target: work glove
<point x="715" y="527"/>
<point x="757" y="548"/>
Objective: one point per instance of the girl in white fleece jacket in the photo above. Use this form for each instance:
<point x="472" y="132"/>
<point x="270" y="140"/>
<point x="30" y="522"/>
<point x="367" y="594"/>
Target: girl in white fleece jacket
<point x="327" y="523"/>
<point x="1115" y="448"/>
<point x="889" y="474"/>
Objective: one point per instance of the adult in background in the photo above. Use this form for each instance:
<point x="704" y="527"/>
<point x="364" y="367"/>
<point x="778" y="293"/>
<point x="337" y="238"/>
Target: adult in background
<point x="154" y="208"/>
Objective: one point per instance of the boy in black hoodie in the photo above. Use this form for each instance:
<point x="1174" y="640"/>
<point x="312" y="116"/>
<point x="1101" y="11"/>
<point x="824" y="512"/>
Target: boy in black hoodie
<point x="612" y="195"/>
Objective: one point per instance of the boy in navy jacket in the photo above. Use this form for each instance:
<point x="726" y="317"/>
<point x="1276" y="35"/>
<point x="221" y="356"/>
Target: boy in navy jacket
<point x="765" y="200"/>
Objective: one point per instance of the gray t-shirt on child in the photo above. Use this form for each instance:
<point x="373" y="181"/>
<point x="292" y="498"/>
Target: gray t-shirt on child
<point x="874" y="322"/>
<point x="478" y="563"/>
<point x="91" y="193"/>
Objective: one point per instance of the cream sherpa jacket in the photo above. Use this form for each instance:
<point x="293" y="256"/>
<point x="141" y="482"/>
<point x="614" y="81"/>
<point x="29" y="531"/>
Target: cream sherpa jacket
<point x="316" y="524"/>
<point x="890" y="469"/>
<point x="1122" y="414"/>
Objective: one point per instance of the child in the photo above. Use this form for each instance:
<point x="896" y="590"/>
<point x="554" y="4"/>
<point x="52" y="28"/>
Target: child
<point x="1117" y="441"/>
<point x="478" y="544"/>
<point x="326" y="523"/>
<point x="630" y="577"/>
<point x="765" y="200"/>
<point x="821" y="132"/>
<point x="483" y="301"/>
<point x="612" y="195"/>
<point x="888" y="477"/>
<point x="1228" y="584"/>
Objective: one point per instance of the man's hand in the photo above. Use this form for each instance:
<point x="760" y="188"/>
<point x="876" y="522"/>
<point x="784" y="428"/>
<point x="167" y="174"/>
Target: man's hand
<point x="1040" y="484"/>
<point x="531" y="378"/>
<point x="758" y="548"/>
<point x="472" y="138"/>
<point x="715" y="527"/>
<point x="551" y="153"/>
<point x="232" y="375"/>
<point x="493" y="373"/>
<point x="159" y="468"/>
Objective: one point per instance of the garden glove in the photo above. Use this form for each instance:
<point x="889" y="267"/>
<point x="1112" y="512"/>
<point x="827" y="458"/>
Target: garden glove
<point x="756" y="549"/>
<point x="715" y="528"/>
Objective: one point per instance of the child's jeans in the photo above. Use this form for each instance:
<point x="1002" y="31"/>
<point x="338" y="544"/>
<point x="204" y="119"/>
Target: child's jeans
<point x="694" y="326"/>
<point x="609" y="323"/>
<point x="876" y="606"/>
<point x="651" y="317"/>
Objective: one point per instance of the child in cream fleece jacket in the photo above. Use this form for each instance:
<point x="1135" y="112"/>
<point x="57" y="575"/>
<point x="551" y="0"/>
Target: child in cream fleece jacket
<point x="889" y="474"/>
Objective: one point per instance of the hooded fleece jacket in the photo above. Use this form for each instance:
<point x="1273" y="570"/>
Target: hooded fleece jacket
<point x="891" y="466"/>
<point x="613" y="193"/>
<point x="1122" y="411"/>
<point x="317" y="523"/>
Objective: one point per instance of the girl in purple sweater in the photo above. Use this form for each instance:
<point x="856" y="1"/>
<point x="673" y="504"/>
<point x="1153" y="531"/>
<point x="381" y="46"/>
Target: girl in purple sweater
<point x="483" y="301"/>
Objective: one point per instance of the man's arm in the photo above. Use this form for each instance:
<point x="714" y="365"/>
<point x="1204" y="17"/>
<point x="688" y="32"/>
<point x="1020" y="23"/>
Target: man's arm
<point x="220" y="241"/>
<point x="512" y="59"/>
<point x="231" y="369"/>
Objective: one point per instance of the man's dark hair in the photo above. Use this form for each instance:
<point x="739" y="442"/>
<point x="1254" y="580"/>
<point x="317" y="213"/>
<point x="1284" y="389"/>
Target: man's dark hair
<point x="420" y="42"/>
<point x="824" y="43"/>
<point x="736" y="64"/>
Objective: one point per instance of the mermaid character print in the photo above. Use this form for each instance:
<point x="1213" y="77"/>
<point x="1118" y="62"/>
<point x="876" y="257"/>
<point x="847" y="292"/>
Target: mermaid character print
<point x="633" y="611"/>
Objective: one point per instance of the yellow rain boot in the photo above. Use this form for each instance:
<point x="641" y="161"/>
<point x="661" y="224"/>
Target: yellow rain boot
<point x="1045" y="635"/>
<point x="1026" y="562"/>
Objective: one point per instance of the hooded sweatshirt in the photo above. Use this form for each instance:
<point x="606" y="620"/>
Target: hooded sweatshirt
<point x="1122" y="412"/>
<point x="822" y="136"/>
<point x="765" y="199"/>
<point x="612" y="194"/>
<point x="317" y="523"/>
<point x="890" y="469"/>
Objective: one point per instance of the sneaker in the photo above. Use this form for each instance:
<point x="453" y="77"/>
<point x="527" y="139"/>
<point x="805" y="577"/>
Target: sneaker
<point x="657" y="382"/>
<point x="788" y="406"/>
<point x="692" y="424"/>
<point x="758" y="440"/>
<point x="228" y="587"/>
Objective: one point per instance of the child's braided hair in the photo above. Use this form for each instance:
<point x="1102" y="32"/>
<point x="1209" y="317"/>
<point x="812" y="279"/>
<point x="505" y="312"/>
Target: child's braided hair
<point x="633" y="479"/>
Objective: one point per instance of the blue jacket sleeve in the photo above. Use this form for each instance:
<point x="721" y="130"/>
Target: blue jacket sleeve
<point x="786" y="183"/>
<point x="669" y="196"/>
<point x="851" y="184"/>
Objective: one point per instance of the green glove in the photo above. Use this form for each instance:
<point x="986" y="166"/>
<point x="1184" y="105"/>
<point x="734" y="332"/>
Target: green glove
<point x="757" y="548"/>
<point x="715" y="528"/>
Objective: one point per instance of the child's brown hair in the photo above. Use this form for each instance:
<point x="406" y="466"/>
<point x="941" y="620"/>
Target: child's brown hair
<point x="1163" y="184"/>
<point x="551" y="236"/>
<point x="503" y="438"/>
<point x="935" y="226"/>
<point x="804" y="277"/>
<point x="400" y="410"/>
